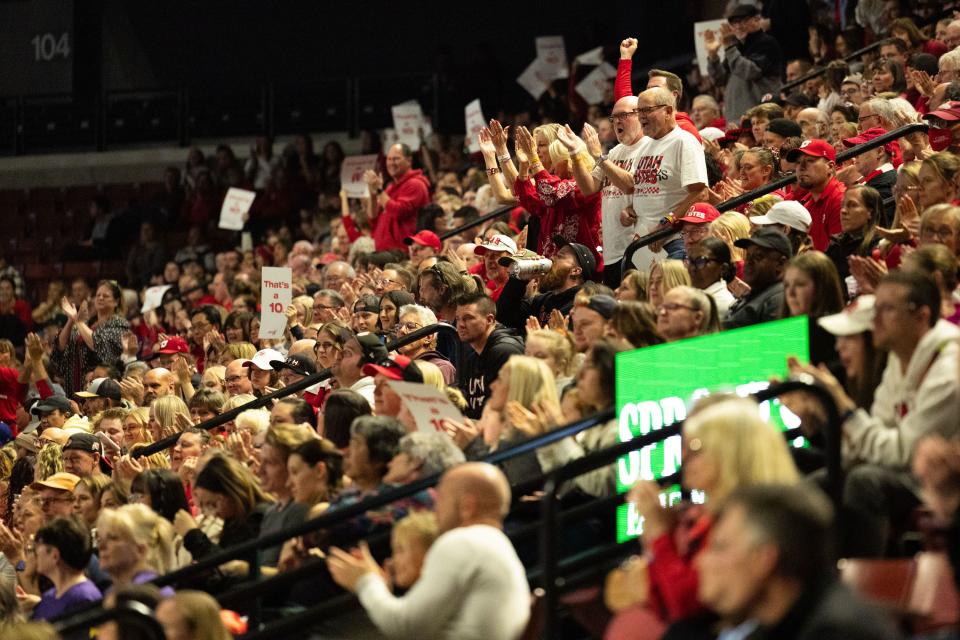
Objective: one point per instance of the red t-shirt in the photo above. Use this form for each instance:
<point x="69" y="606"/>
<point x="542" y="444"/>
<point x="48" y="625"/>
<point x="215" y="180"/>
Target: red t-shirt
<point x="11" y="395"/>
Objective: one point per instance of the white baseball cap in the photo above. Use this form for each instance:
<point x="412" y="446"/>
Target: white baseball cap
<point x="712" y="133"/>
<point x="788" y="212"/>
<point x="262" y="359"/>
<point x="856" y="318"/>
<point x="497" y="243"/>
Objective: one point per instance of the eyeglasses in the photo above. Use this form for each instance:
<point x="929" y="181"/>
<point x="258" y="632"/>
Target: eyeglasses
<point x="673" y="306"/>
<point x="862" y="118"/>
<point x="648" y="110"/>
<point x="622" y="115"/>
<point x="943" y="233"/>
<point x="383" y="282"/>
<point x="409" y="326"/>
<point x="326" y="346"/>
<point x="699" y="263"/>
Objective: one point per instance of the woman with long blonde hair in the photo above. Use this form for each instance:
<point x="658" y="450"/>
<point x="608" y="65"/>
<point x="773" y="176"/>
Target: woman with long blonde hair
<point x="163" y="416"/>
<point x="135" y="544"/>
<point x="726" y="445"/>
<point x="730" y="227"/>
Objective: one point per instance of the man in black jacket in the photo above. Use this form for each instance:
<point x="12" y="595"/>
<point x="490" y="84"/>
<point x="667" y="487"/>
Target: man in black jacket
<point x="767" y="254"/>
<point x="769" y="569"/>
<point x="573" y="264"/>
<point x="485" y="347"/>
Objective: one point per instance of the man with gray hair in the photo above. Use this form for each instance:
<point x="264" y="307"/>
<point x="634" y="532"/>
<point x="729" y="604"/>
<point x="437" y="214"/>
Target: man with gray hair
<point x="876" y="112"/>
<point x="814" y="124"/>
<point x="706" y="113"/>
<point x="670" y="173"/>
<point x="422" y="454"/>
<point x="336" y="274"/>
<point x="412" y="317"/>
<point x="326" y="303"/>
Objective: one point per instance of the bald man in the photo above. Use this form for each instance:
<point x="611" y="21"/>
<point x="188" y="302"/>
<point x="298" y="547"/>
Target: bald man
<point x="472" y="584"/>
<point x="237" y="377"/>
<point x="158" y="382"/>
<point x="613" y="174"/>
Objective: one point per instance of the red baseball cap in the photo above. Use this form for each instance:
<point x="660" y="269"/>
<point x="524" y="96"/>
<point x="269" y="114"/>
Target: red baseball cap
<point x="949" y="111"/>
<point x="813" y="148"/>
<point x="424" y="238"/>
<point x="171" y="345"/>
<point x="868" y="135"/>
<point x="396" y="368"/>
<point x="701" y="212"/>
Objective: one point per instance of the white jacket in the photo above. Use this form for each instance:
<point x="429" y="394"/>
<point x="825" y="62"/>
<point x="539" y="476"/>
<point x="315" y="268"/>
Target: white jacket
<point x="908" y="406"/>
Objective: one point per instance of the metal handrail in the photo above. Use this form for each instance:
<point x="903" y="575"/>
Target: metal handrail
<point x="496" y="213"/>
<point x="549" y="531"/>
<point x="128" y="610"/>
<point x="309" y="381"/>
<point x="819" y="72"/>
<point x="770" y="187"/>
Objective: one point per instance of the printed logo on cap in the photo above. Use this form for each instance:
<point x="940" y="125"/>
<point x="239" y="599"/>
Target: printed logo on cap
<point x="805" y="144"/>
<point x="693" y="213"/>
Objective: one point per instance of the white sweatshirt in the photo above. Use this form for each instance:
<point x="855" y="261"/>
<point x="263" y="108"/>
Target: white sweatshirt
<point x="472" y="586"/>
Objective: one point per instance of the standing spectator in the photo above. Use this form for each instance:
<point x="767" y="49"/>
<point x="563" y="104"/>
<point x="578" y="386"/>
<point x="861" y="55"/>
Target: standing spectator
<point x="767" y="254"/>
<point x="671" y="172"/>
<point x="80" y="346"/>
<point x="261" y="162"/>
<point x="486" y="347"/>
<point x="823" y="192"/>
<point x="9" y="271"/>
<point x="752" y="63"/>
<point x="393" y="212"/>
<point x="553" y="196"/>
<point x="147" y="258"/>
<point x="472" y="500"/>
<point x="15" y="317"/>
<point x="613" y="175"/>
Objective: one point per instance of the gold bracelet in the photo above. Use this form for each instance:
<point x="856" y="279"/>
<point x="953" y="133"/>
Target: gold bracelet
<point x="534" y="159"/>
<point x="492" y="171"/>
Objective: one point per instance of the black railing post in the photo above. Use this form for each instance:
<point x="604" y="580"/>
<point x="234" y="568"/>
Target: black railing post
<point x="549" y="555"/>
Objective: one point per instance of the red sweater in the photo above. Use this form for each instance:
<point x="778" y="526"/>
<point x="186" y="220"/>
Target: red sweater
<point x="563" y="210"/>
<point x="623" y="86"/>
<point x="11" y="394"/>
<point x="398" y="219"/>
<point x="673" y="578"/>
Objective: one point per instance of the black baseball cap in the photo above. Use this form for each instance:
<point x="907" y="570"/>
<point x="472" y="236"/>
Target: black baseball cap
<point x="799" y="99"/>
<point x="83" y="442"/>
<point x="785" y="127"/>
<point x="51" y="404"/>
<point x="768" y="239"/>
<point x="602" y="304"/>
<point x="583" y="255"/>
<point x="300" y="365"/>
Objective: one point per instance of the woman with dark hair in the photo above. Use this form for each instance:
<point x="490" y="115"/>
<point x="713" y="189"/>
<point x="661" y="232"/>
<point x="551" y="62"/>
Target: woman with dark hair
<point x="63" y="550"/>
<point x="15" y="314"/>
<point x="635" y="322"/>
<point x="329" y="167"/>
<point x="712" y="269"/>
<point x="888" y="77"/>
<point x="236" y="328"/>
<point x="860" y="212"/>
<point x="82" y="346"/>
<point x="161" y="490"/>
<point x="812" y="288"/>
<point x="339" y="411"/>
<point x="227" y="489"/>
<point x="314" y="472"/>
<point x="390" y="305"/>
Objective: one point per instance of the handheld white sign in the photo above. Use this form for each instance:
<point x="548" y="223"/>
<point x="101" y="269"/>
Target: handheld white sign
<point x="535" y="79"/>
<point x="594" y="85"/>
<point x="235" y="207"/>
<point x="407" y="122"/>
<point x="427" y="404"/>
<point x="551" y="51"/>
<point x="153" y="297"/>
<point x="475" y="122"/>
<point x="351" y="174"/>
<point x="700" y="43"/>
<point x="593" y="56"/>
<point x="276" y="294"/>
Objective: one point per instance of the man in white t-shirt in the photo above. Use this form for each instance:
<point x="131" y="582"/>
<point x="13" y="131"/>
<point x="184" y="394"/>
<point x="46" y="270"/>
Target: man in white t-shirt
<point x="613" y="174"/>
<point x="472" y="584"/>
<point x="670" y="172"/>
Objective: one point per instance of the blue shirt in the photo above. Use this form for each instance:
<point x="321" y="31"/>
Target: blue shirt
<point x="50" y="606"/>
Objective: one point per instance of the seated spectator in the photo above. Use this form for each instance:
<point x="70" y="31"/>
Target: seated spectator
<point x="711" y="270"/>
<point x="556" y="350"/>
<point x="767" y="254"/>
<point x="812" y="288"/>
<point x="686" y="312"/>
<point x="726" y="446"/>
<point x="390" y="305"/>
<point x="410" y="541"/>
<point x="411" y="318"/>
<point x="860" y="214"/>
<point x="135" y="545"/>
<point x="633" y="322"/>
<point x="778" y="539"/>
<point x="374" y="442"/>
<point x="341" y="409"/>
<point x="633" y="286"/>
<point x="314" y="472"/>
<point x="937" y="262"/>
<point x="63" y="551"/>
<point x="422" y="455"/>
<point x="473" y="500"/>
<point x="791" y="219"/>
<point x="919" y="394"/>
<point x="191" y="615"/>
<point x="89" y="498"/>
<point x="665" y="275"/>
<point x="285" y="512"/>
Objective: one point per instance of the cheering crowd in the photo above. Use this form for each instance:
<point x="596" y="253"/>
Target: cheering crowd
<point x="542" y="299"/>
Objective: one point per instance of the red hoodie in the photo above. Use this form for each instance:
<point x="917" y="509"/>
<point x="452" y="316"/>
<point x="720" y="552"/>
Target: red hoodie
<point x="623" y="87"/>
<point x="398" y="219"/>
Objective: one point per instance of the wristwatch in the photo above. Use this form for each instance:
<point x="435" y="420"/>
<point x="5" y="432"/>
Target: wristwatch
<point x="600" y="159"/>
